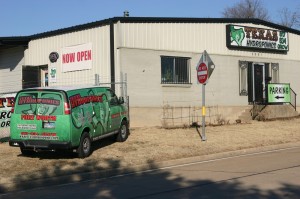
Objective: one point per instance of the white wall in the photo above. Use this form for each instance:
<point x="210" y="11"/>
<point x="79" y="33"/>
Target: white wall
<point x="39" y="50"/>
<point x="144" y="80"/>
<point x="143" y="68"/>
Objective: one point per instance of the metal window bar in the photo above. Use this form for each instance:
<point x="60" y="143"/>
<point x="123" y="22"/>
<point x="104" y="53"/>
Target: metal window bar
<point x="174" y="70"/>
<point x="180" y="70"/>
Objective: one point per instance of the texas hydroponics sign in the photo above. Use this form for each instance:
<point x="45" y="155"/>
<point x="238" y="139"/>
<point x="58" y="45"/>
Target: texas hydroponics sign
<point x="256" y="38"/>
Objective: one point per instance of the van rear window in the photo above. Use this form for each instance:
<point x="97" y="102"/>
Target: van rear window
<point x="39" y="103"/>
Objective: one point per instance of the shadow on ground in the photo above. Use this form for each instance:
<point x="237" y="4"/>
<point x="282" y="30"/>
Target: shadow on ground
<point x="155" y="184"/>
<point x="64" y="154"/>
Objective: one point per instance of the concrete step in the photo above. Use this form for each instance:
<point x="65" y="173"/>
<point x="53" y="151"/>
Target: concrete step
<point x="277" y="111"/>
<point x="246" y="115"/>
<point x="269" y="112"/>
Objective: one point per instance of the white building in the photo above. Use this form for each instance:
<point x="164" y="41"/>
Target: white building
<point x="159" y="57"/>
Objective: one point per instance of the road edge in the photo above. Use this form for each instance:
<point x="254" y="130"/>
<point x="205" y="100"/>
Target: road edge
<point x="112" y="173"/>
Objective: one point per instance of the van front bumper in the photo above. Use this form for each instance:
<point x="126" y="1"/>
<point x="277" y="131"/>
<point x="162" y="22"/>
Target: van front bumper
<point x="40" y="144"/>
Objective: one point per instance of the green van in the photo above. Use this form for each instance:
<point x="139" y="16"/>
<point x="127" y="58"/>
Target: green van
<point x="66" y="118"/>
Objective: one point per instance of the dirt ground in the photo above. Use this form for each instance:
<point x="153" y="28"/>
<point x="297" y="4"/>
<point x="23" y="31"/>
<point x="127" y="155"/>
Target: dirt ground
<point x="145" y="146"/>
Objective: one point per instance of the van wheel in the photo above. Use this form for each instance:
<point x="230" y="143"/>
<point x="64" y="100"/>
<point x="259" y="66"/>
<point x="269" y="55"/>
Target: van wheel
<point x="27" y="152"/>
<point x="123" y="132"/>
<point x="85" y="147"/>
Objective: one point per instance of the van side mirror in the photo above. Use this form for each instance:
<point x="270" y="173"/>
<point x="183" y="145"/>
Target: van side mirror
<point x="121" y="100"/>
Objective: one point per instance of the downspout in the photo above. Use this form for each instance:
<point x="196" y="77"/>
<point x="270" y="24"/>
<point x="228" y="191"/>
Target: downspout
<point x="112" y="55"/>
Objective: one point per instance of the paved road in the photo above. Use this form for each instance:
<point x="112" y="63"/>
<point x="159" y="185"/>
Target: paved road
<point x="274" y="174"/>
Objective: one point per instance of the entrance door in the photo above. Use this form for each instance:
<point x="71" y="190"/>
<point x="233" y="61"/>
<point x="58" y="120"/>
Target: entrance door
<point x="34" y="76"/>
<point x="257" y="78"/>
<point x="31" y="77"/>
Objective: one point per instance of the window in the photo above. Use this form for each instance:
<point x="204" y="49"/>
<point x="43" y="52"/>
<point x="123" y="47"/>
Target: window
<point x="175" y="70"/>
<point x="275" y="72"/>
<point x="243" y="78"/>
<point x="113" y="98"/>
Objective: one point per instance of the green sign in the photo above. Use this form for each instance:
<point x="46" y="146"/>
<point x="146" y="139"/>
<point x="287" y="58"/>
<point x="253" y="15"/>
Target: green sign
<point x="257" y="38"/>
<point x="279" y="93"/>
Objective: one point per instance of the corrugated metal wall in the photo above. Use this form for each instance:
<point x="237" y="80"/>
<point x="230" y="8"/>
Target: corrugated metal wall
<point x="39" y="50"/>
<point x="11" y="61"/>
<point x="174" y="37"/>
<point x="194" y="37"/>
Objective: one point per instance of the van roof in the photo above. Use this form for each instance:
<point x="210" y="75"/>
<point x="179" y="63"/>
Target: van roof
<point x="63" y="88"/>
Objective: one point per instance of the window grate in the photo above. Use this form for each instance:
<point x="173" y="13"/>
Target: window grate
<point x="175" y="70"/>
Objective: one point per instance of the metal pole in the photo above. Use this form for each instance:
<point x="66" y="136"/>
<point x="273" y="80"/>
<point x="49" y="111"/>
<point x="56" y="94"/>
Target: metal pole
<point x="97" y="79"/>
<point x="203" y="101"/>
<point x="125" y="85"/>
<point x="122" y="85"/>
<point x="203" y="113"/>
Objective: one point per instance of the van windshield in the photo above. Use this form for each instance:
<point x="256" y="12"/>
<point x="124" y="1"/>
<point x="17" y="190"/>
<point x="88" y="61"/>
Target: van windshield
<point x="39" y="103"/>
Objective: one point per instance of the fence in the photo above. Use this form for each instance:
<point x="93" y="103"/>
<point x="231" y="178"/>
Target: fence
<point x="175" y="115"/>
<point x="293" y="99"/>
<point x="7" y="98"/>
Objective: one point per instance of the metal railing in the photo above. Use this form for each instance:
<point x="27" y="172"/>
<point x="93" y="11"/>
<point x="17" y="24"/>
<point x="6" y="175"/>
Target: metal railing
<point x="293" y="99"/>
<point x="257" y="108"/>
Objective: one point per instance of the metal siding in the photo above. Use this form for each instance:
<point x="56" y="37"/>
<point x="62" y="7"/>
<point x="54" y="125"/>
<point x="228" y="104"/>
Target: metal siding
<point x="39" y="50"/>
<point x="294" y="47"/>
<point x="11" y="61"/>
<point x="194" y="37"/>
<point x="168" y="37"/>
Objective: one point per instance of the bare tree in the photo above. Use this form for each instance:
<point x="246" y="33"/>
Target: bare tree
<point x="247" y="9"/>
<point x="289" y="18"/>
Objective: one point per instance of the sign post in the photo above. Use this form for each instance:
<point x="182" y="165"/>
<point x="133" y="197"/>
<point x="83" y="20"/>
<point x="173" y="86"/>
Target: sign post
<point x="204" y="69"/>
<point x="203" y="113"/>
<point x="202" y="74"/>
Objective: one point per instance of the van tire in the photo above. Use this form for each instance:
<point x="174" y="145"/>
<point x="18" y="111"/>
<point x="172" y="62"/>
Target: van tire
<point x="85" y="147"/>
<point x="27" y="152"/>
<point x="123" y="132"/>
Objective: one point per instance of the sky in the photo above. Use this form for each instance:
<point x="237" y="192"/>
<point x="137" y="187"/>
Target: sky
<point x="28" y="17"/>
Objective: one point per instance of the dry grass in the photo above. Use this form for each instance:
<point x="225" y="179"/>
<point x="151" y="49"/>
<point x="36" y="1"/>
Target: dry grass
<point x="146" y="145"/>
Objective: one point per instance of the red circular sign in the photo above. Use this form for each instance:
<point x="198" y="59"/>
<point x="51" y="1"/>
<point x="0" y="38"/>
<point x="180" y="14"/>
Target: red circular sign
<point x="202" y="73"/>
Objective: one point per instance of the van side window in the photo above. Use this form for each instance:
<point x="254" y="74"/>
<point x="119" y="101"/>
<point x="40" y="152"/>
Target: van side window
<point x="113" y="98"/>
